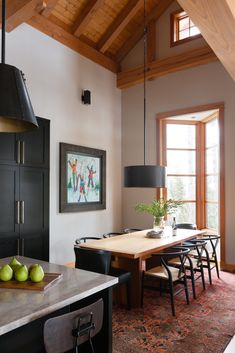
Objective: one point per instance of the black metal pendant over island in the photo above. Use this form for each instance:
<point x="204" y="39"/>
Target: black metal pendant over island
<point x="16" y="111"/>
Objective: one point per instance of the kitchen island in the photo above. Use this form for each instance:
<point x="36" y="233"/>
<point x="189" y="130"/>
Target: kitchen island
<point x="23" y="312"/>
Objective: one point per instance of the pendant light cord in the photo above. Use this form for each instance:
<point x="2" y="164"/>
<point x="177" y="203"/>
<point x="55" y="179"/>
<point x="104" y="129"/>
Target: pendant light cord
<point x="3" y="30"/>
<point x="145" y="54"/>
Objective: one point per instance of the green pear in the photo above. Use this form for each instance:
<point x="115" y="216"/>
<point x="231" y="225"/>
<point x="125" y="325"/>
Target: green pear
<point x="21" y="273"/>
<point x="31" y="267"/>
<point x="6" y="273"/>
<point x="15" y="268"/>
<point x="14" y="262"/>
<point x="36" y="273"/>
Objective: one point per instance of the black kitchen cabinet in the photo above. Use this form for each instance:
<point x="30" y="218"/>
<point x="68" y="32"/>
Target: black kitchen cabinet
<point x="24" y="193"/>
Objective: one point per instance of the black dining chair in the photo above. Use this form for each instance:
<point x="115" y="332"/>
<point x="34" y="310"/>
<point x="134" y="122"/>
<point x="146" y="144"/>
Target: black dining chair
<point x="84" y="239"/>
<point x="67" y="332"/>
<point x="131" y="230"/>
<point x="209" y="256"/>
<point x="111" y="234"/>
<point x="169" y="274"/>
<point x="100" y="261"/>
<point x="192" y="226"/>
<point x="193" y="265"/>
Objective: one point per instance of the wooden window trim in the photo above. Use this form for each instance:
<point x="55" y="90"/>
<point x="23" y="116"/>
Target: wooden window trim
<point x="160" y="122"/>
<point x="174" y="30"/>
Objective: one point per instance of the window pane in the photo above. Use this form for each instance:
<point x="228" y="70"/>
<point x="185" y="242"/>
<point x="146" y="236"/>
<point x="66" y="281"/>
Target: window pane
<point x="193" y="31"/>
<point x="212" y="216"/>
<point x="212" y="188"/>
<point x="212" y="160"/>
<point x="184" y="34"/>
<point x="175" y="165"/>
<point x="186" y="213"/>
<point x="183" y="23"/>
<point x="181" y="187"/>
<point x="212" y="133"/>
<point x="180" y="136"/>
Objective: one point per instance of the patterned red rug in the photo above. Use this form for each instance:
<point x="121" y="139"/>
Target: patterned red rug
<point x="205" y="326"/>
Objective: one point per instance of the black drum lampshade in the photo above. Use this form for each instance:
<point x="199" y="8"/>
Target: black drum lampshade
<point x="145" y="176"/>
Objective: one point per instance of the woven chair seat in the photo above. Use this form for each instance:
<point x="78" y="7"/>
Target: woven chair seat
<point x="161" y="272"/>
<point x="177" y="262"/>
<point x="194" y="253"/>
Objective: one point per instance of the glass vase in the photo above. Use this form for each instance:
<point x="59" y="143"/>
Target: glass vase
<point x="158" y="223"/>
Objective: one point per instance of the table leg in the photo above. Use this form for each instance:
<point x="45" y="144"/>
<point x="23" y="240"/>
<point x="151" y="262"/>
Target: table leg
<point x="135" y="267"/>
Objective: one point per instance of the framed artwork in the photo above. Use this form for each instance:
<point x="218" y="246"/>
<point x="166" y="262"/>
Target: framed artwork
<point x="82" y="178"/>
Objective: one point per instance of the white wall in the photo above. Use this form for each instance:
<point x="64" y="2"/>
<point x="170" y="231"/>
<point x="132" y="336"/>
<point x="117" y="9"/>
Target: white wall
<point x="55" y="77"/>
<point x="200" y="85"/>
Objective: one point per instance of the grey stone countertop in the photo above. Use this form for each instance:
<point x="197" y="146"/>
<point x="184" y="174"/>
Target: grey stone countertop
<point x="19" y="307"/>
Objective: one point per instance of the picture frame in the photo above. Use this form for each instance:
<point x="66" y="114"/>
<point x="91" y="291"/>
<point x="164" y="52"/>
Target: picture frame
<point x="82" y="178"/>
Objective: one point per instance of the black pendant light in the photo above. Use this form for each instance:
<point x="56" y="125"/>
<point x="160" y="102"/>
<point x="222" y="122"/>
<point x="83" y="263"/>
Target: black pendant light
<point x="16" y="111"/>
<point x="145" y="176"/>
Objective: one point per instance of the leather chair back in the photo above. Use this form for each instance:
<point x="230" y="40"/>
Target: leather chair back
<point x="92" y="260"/>
<point x="186" y="226"/>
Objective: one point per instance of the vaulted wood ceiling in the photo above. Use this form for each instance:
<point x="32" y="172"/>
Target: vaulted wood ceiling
<point x="106" y="30"/>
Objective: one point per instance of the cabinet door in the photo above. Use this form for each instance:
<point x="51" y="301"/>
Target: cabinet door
<point x="9" y="210"/>
<point x="34" y="227"/>
<point x="9" y="246"/>
<point x="9" y="197"/>
<point x="35" y="145"/>
<point x="8" y="149"/>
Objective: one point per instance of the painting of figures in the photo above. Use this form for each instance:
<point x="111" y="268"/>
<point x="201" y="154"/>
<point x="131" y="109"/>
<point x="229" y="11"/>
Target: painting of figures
<point x="82" y="178"/>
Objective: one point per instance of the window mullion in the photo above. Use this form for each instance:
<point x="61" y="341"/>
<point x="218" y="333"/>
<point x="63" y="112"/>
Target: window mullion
<point x="200" y="170"/>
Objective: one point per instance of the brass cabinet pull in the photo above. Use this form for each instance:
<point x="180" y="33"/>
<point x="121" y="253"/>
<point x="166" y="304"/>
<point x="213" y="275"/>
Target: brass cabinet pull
<point x="17" y="212"/>
<point x="22" y="151"/>
<point x="18" y="152"/>
<point x="21" y="212"/>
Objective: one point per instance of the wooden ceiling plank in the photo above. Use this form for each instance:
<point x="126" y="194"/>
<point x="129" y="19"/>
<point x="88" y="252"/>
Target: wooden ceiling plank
<point x="216" y="21"/>
<point x="119" y="24"/>
<point x="51" y="29"/>
<point x="165" y="66"/>
<point x="153" y="16"/>
<point x="18" y="12"/>
<point x="50" y="4"/>
<point x="86" y="15"/>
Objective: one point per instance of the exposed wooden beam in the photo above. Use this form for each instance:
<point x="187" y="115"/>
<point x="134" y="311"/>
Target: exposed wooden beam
<point x="44" y="25"/>
<point x="18" y="12"/>
<point x="50" y="4"/>
<point x="216" y="21"/>
<point x="154" y="15"/>
<point x="151" y="41"/>
<point x="119" y="24"/>
<point x="86" y="15"/>
<point x="165" y="66"/>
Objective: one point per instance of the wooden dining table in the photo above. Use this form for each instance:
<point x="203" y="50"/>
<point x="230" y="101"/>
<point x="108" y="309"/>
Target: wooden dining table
<point x="133" y="250"/>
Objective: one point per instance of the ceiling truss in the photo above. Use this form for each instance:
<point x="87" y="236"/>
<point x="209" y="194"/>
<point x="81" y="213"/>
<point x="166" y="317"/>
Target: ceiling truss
<point x="105" y="31"/>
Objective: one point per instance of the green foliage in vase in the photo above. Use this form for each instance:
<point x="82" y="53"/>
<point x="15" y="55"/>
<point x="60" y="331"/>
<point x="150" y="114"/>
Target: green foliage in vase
<point x="158" y="208"/>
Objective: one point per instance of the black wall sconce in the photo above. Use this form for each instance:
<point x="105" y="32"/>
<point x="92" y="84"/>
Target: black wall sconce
<point x="86" y="97"/>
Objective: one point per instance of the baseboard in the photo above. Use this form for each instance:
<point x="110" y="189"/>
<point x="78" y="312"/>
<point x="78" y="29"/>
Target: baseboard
<point x="227" y="267"/>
